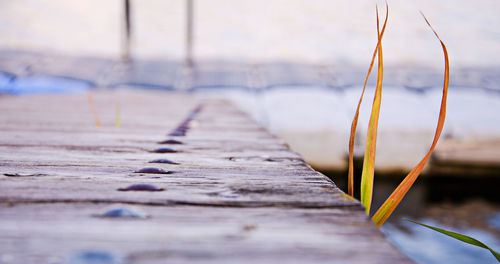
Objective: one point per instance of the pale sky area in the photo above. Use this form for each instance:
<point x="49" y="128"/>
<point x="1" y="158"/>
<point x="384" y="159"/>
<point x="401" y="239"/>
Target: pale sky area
<point x="259" y="30"/>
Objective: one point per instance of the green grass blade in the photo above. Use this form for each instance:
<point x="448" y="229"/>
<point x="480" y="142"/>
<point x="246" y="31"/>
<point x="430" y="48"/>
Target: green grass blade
<point x="371" y="138"/>
<point x="117" y="115"/>
<point x="395" y="198"/>
<point x="463" y="238"/>
<point x="354" y="124"/>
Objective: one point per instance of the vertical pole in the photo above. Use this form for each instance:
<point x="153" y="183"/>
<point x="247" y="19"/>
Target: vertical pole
<point x="128" y="31"/>
<point x="189" y="32"/>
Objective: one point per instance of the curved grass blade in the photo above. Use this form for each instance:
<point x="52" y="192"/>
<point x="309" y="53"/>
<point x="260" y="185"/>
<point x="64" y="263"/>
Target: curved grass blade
<point x="354" y="124"/>
<point x="463" y="238"/>
<point x="92" y="109"/>
<point x="371" y="138"/>
<point x="395" y="198"/>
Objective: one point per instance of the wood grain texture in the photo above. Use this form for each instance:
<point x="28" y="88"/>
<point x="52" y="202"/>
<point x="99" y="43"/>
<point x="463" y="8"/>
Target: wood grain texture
<point x="238" y="194"/>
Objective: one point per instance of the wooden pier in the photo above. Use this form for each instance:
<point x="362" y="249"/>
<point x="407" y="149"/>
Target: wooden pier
<point x="224" y="190"/>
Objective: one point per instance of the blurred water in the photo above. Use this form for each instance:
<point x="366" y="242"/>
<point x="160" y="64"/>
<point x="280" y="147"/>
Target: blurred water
<point x="495" y="221"/>
<point x="427" y="246"/>
<point x="41" y="85"/>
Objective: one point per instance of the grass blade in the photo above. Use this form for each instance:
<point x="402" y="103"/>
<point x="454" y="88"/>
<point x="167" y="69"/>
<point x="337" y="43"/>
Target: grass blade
<point x="395" y="198"/>
<point x="117" y="115"/>
<point x="463" y="238"/>
<point x="354" y="124"/>
<point x="92" y="109"/>
<point x="371" y="137"/>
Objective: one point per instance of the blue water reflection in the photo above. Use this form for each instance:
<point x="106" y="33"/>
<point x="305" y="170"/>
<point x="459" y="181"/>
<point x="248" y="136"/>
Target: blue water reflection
<point x="495" y="222"/>
<point x="41" y="85"/>
<point x="427" y="246"/>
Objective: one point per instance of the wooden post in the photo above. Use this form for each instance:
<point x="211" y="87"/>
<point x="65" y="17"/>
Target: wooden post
<point x="189" y="32"/>
<point x="128" y="31"/>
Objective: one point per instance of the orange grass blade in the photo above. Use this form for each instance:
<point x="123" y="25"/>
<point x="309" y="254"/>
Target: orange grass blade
<point x="395" y="198"/>
<point x="354" y="124"/>
<point x="371" y="137"/>
<point x="92" y="108"/>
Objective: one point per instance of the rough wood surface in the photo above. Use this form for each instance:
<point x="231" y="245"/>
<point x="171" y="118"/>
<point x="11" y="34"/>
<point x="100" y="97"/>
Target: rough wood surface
<point x="238" y="194"/>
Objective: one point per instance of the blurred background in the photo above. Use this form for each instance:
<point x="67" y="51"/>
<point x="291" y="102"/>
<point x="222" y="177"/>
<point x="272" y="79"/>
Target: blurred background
<point x="297" y="67"/>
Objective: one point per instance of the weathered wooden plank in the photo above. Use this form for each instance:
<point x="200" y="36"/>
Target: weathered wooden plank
<point x="237" y="194"/>
<point x="184" y="234"/>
